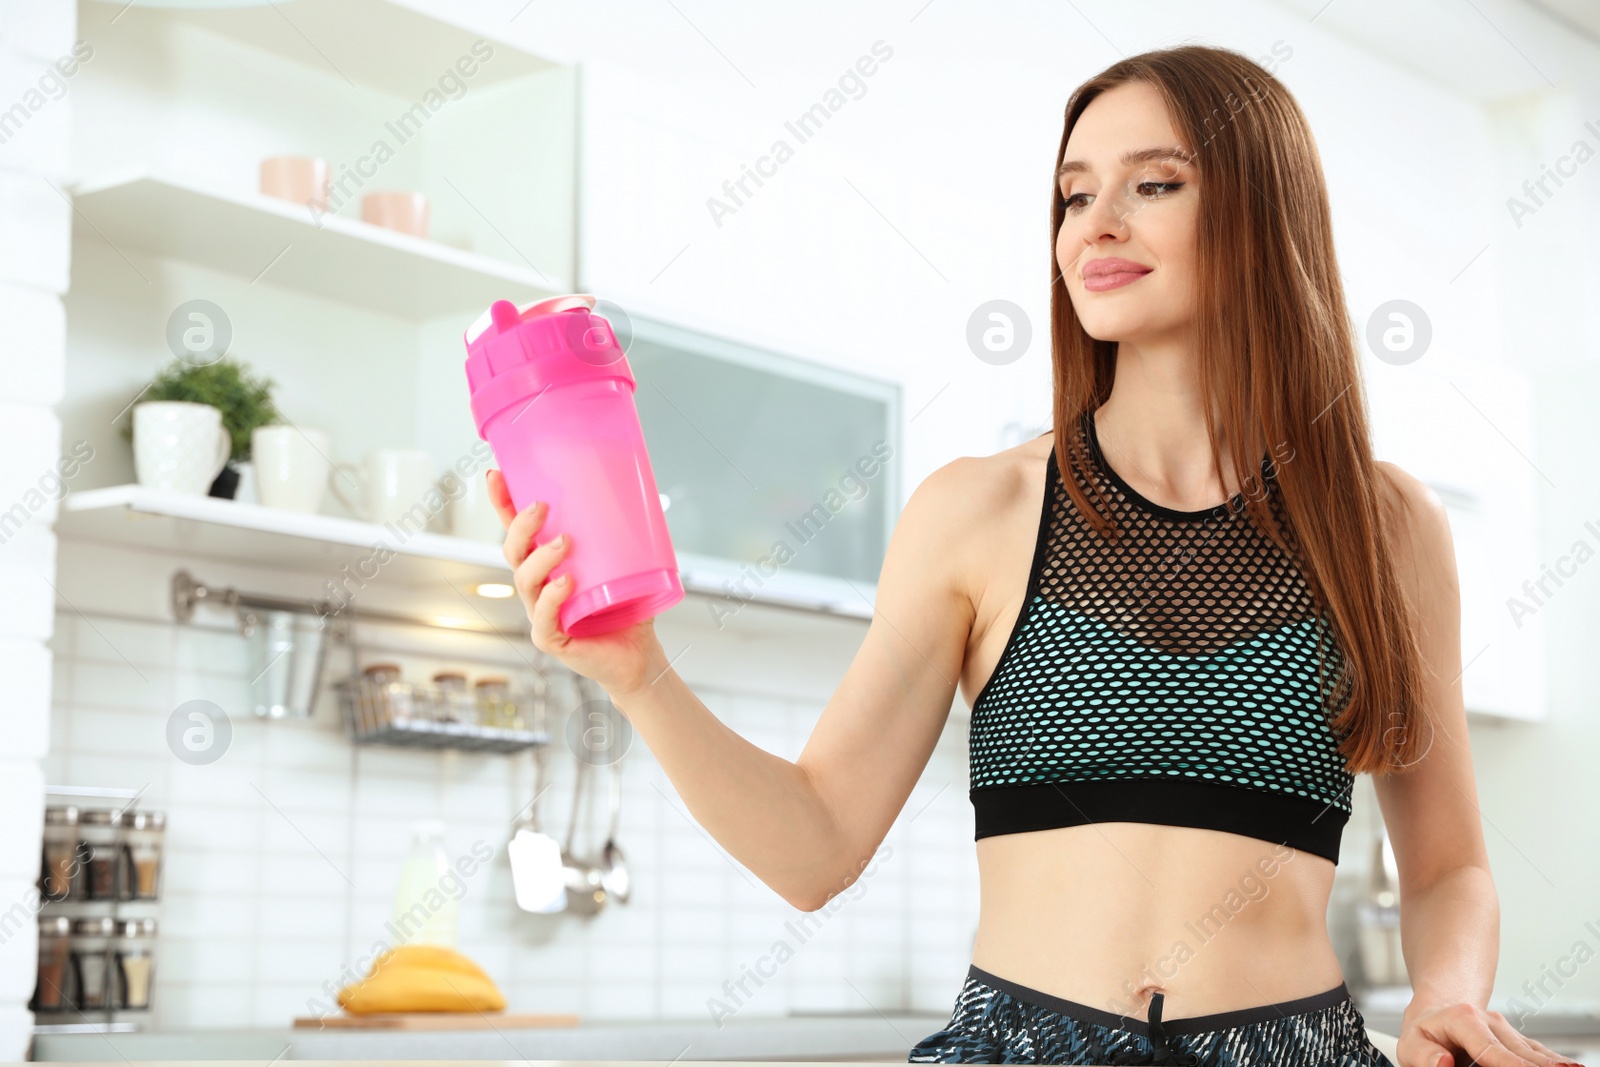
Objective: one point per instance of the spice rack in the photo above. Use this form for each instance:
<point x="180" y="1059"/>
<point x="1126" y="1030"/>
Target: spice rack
<point x="380" y="708"/>
<point x="99" y="890"/>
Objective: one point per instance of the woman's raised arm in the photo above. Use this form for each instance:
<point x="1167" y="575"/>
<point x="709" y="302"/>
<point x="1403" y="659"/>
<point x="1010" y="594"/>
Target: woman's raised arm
<point x="804" y="827"/>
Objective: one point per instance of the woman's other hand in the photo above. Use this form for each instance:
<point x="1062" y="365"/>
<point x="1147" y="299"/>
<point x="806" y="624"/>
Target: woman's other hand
<point x="1432" y="1037"/>
<point x="622" y="661"/>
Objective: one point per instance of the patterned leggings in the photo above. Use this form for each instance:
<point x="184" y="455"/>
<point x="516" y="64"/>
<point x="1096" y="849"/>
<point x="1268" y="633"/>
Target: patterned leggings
<point x="1000" y="1021"/>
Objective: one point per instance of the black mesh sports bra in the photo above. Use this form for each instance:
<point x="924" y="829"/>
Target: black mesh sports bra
<point x="1176" y="674"/>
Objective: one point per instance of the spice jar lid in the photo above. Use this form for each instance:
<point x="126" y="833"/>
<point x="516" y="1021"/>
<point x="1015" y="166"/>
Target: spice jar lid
<point x="146" y="820"/>
<point x="104" y="817"/>
<point x="137" y="928"/>
<point x="381" y="668"/>
<point x="450" y="676"/>
<point x="61" y="815"/>
<point x="493" y="679"/>
<point x="98" y="926"/>
<point x="54" y="926"/>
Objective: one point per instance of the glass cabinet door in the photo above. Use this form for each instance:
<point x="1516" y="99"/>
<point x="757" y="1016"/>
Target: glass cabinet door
<point x="788" y="468"/>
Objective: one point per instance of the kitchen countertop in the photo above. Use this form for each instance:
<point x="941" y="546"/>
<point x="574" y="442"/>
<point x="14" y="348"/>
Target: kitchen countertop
<point x="842" y="1038"/>
<point x="834" y="1037"/>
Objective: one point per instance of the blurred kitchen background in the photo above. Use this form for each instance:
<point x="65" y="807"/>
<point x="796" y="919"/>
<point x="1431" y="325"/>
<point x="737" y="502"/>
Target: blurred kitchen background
<point x="799" y="219"/>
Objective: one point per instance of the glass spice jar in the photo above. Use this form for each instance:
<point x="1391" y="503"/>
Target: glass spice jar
<point x="134" y="952"/>
<point x="91" y="962"/>
<point x="145" y="832"/>
<point x="102" y="839"/>
<point x="50" y="993"/>
<point x="455" y="700"/>
<point x="391" y="696"/>
<point x="495" y="707"/>
<point x="61" y="860"/>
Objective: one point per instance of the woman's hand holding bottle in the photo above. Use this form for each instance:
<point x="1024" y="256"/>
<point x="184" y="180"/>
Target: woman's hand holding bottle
<point x="623" y="661"/>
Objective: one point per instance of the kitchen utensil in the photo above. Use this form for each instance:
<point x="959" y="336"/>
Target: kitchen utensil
<point x="536" y="858"/>
<point x="301" y="179"/>
<point x="553" y="395"/>
<point x="390" y="485"/>
<point x="397" y="209"/>
<point x="179" y="446"/>
<point x="613" y="865"/>
<point x="291" y="467"/>
<point x="585" y="895"/>
<point x="286" y="653"/>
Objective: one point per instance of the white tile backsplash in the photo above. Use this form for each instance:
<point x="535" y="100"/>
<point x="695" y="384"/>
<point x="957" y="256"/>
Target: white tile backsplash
<point x="284" y="854"/>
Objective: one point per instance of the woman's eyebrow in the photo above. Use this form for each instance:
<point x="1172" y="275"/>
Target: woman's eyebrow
<point x="1129" y="158"/>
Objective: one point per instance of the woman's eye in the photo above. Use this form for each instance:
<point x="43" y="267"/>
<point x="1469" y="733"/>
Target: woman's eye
<point x="1073" y="202"/>
<point x="1165" y="187"/>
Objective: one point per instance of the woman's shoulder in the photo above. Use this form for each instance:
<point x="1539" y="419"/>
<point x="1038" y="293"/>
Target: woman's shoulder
<point x="974" y="508"/>
<point x="980" y="488"/>
<point x="1419" y="525"/>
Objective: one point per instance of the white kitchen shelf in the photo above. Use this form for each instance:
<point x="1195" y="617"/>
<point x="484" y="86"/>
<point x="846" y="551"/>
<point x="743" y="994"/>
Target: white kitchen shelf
<point x="261" y="237"/>
<point x="204" y="527"/>
<point x="208" y="527"/>
<point x="382" y="44"/>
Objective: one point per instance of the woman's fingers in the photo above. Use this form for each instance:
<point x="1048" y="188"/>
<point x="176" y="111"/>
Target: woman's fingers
<point x="1470" y="1029"/>
<point x="545" y="616"/>
<point x="530" y="574"/>
<point x="519" y="533"/>
<point x="500" y="497"/>
<point x="1522" y="1045"/>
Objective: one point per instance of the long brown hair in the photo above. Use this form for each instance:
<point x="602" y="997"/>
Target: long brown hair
<point x="1277" y="360"/>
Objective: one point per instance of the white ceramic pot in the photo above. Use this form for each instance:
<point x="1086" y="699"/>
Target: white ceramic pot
<point x="291" y="467"/>
<point x="179" y="446"/>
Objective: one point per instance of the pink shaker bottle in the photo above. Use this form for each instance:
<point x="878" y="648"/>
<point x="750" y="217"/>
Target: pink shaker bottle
<point x="553" y="396"/>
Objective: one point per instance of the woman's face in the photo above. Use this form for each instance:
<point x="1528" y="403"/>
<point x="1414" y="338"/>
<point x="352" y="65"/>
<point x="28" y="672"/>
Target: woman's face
<point x="1138" y="210"/>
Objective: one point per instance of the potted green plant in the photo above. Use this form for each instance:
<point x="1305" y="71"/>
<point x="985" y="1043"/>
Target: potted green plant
<point x="244" y="399"/>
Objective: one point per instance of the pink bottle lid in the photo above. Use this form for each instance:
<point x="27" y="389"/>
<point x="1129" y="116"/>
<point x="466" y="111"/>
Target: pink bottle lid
<point x="516" y="353"/>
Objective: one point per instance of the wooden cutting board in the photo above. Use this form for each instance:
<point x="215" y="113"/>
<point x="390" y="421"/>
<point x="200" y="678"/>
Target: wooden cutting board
<point x="437" y="1020"/>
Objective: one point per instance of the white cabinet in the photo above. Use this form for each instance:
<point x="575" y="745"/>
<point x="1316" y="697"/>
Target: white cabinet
<point x="358" y="326"/>
<point x="1466" y="429"/>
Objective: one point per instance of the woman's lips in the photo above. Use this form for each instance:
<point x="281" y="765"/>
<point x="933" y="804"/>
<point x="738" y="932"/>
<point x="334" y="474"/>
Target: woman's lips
<point x="1102" y="274"/>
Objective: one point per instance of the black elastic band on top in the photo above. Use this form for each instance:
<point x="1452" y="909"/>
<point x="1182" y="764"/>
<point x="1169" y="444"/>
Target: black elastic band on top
<point x="1301" y="823"/>
<point x="1193" y="1024"/>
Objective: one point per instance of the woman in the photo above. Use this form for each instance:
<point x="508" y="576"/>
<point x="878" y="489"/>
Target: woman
<point x="1172" y="694"/>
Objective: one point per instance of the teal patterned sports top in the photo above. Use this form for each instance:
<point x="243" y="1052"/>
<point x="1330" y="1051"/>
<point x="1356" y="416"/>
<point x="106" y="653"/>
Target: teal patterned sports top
<point x="1176" y="673"/>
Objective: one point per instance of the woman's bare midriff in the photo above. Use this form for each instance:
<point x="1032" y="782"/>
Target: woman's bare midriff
<point x="1106" y="914"/>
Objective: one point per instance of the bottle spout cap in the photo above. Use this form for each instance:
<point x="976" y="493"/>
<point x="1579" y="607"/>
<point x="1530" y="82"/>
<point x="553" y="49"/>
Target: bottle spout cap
<point x="503" y="314"/>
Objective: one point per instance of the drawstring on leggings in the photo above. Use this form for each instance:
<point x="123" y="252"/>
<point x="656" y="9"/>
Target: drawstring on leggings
<point x="1158" y="1038"/>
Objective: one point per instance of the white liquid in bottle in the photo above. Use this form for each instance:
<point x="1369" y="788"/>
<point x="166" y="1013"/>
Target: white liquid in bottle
<point x="424" y="903"/>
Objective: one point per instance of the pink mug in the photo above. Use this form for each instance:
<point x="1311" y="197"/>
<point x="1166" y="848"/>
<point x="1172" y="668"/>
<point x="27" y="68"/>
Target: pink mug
<point x="398" y="210"/>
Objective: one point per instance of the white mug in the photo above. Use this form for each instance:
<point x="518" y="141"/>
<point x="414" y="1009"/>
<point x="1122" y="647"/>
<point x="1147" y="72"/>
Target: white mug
<point x="291" y="464"/>
<point x="390" y="485"/>
<point x="472" y="513"/>
<point x="179" y="446"/>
